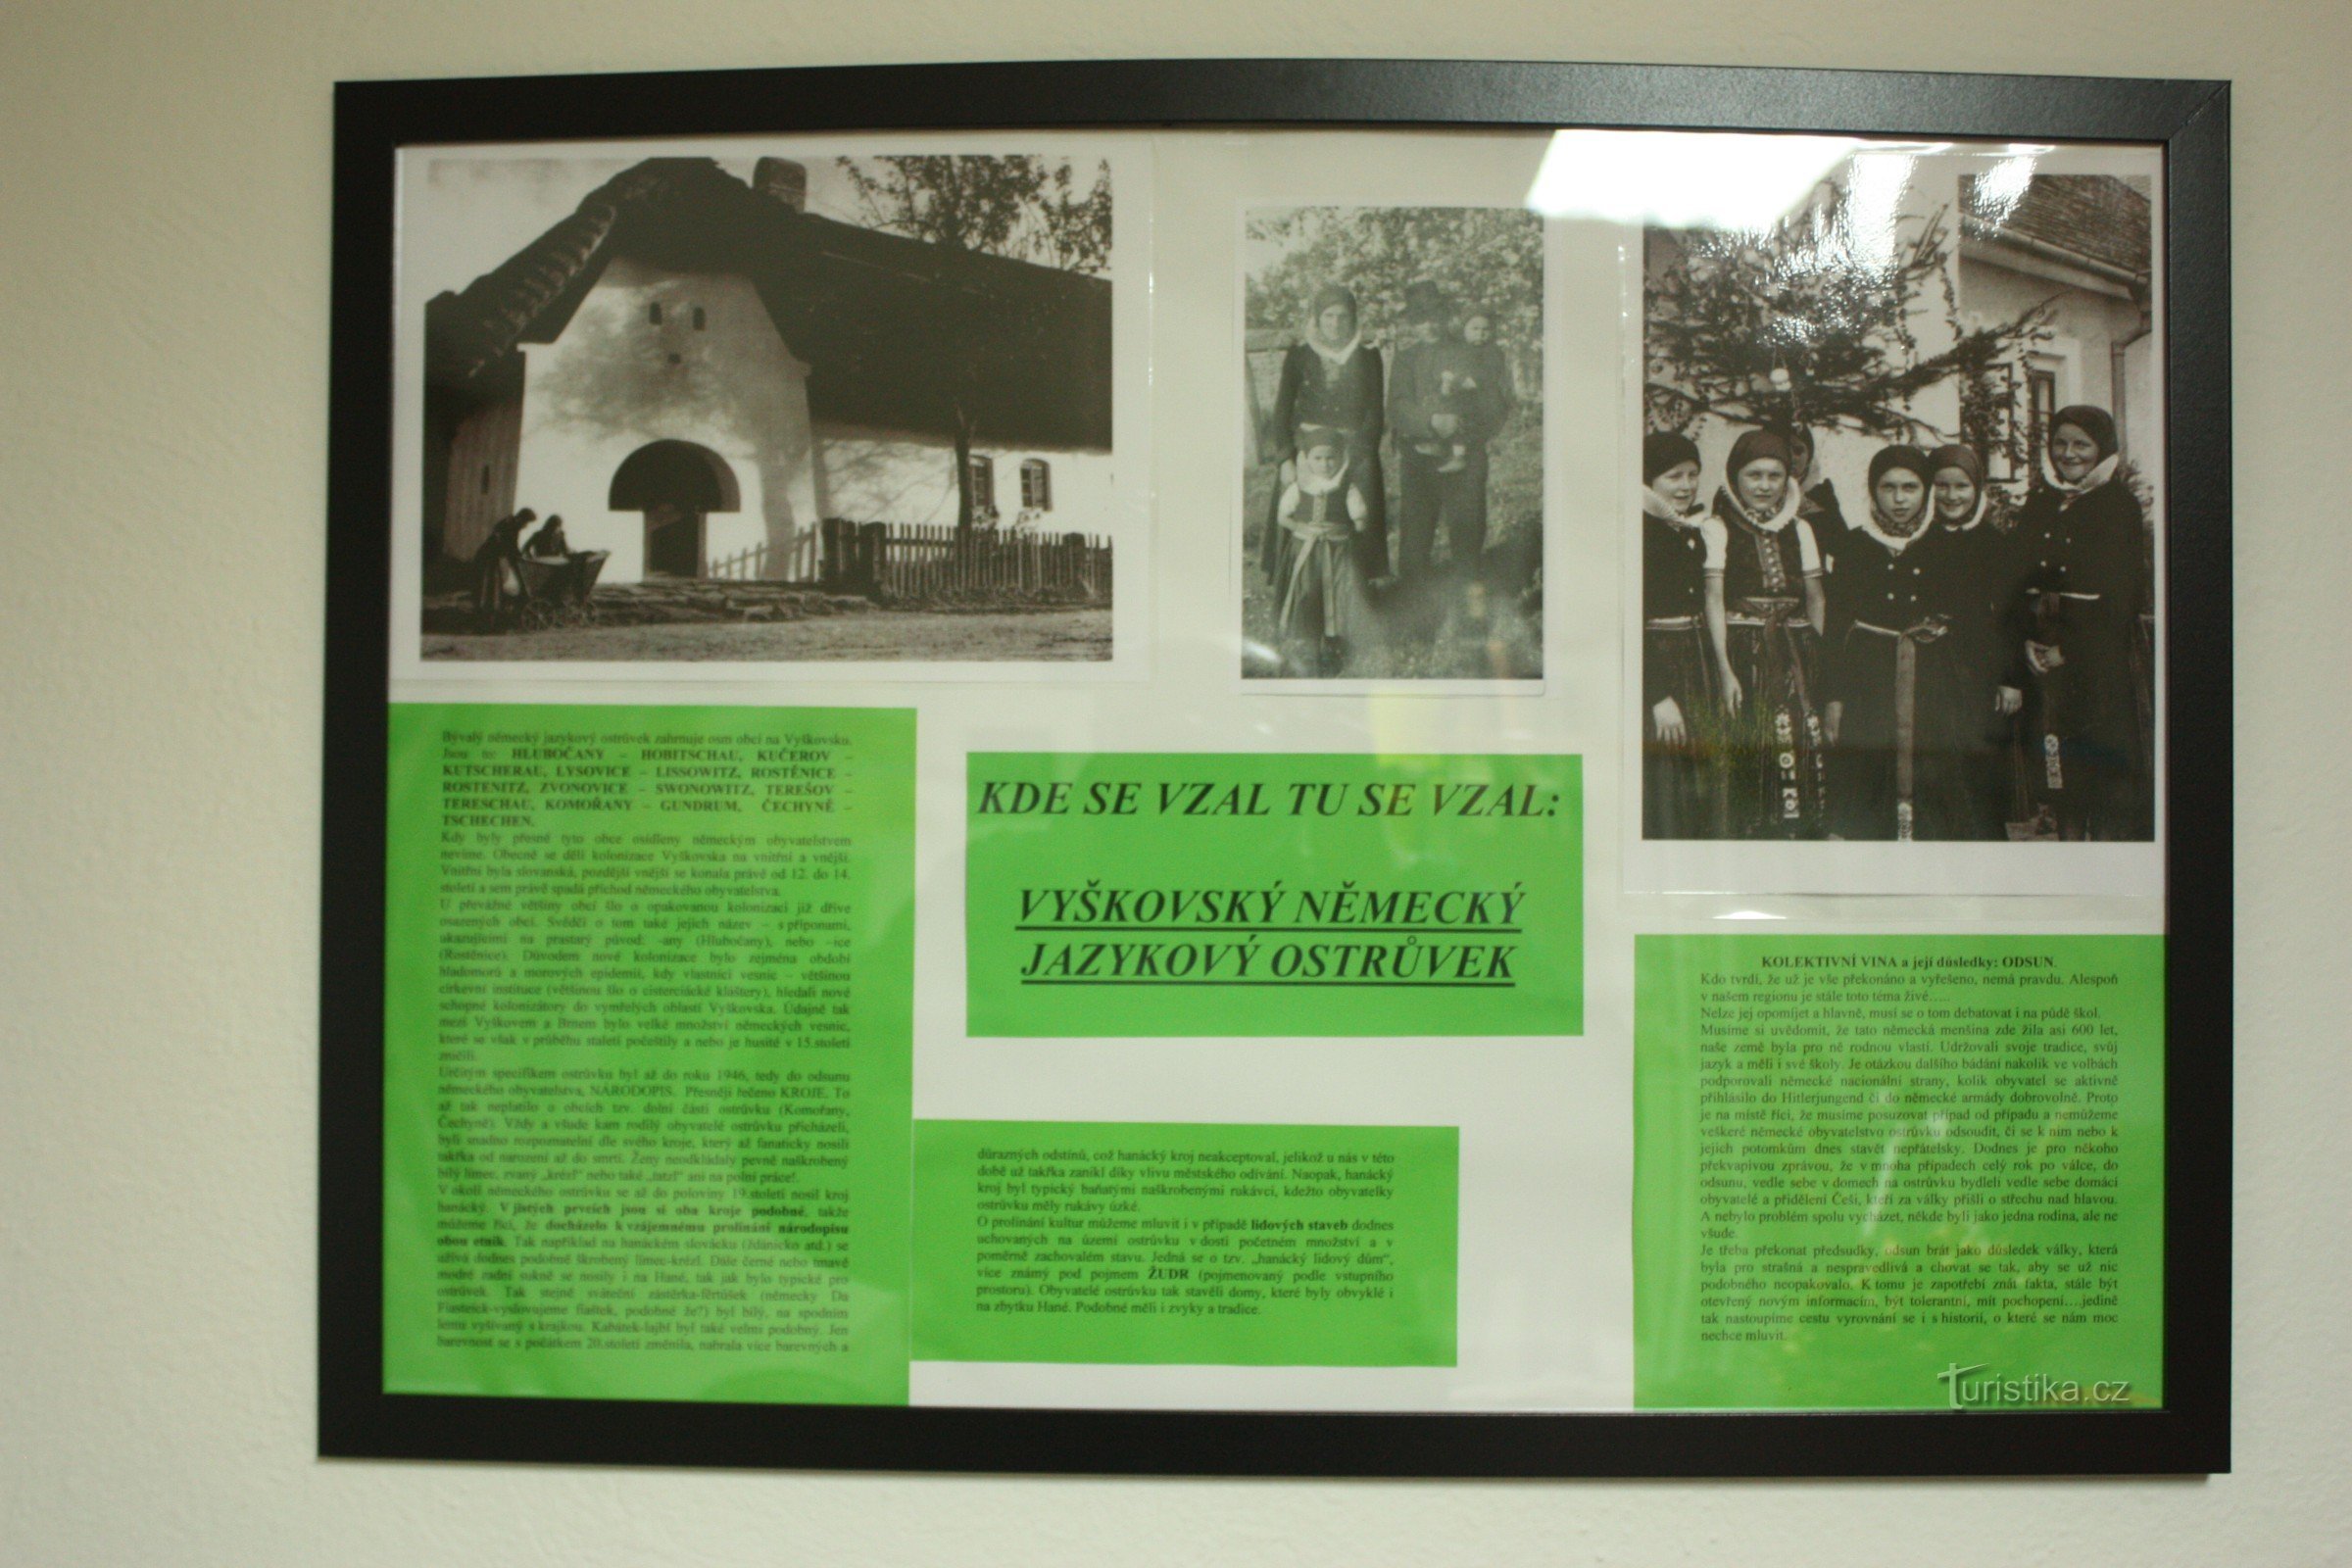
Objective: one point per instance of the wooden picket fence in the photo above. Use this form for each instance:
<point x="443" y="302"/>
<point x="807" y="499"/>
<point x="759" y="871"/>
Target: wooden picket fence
<point x="748" y="565"/>
<point x="930" y="563"/>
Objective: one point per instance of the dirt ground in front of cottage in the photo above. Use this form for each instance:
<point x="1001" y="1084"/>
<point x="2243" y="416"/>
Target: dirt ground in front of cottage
<point x="902" y="636"/>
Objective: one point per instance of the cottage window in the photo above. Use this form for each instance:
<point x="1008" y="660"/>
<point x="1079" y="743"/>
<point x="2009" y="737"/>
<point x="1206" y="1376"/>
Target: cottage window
<point x="698" y="319"/>
<point x="1037" y="486"/>
<point x="984" y="483"/>
<point x="2041" y="405"/>
<point x="652" y="312"/>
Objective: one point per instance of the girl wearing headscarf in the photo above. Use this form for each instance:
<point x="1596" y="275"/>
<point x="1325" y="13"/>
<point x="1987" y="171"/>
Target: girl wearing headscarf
<point x="1820" y="508"/>
<point x="2077" y="589"/>
<point x="1321" y="586"/>
<point x="1967" y="511"/>
<point x="1765" y="610"/>
<point x="1901" y="644"/>
<point x="1681" y="781"/>
<point x="1331" y="382"/>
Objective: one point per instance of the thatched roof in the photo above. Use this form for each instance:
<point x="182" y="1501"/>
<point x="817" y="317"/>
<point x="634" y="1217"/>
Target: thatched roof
<point x="874" y="315"/>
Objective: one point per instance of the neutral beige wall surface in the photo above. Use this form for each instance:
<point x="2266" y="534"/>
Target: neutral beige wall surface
<point x="164" y="232"/>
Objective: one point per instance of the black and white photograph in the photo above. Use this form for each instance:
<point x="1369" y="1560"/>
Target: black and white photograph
<point x="765" y="406"/>
<point x="1900" y="501"/>
<point x="1392" y="497"/>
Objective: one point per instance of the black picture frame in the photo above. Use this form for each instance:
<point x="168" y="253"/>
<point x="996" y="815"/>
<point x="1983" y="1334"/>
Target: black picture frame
<point x="2188" y="119"/>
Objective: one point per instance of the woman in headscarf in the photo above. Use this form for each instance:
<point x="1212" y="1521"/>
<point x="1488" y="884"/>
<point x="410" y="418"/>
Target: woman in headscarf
<point x="1319" y="585"/>
<point x="1900" y="649"/>
<point x="2078" y="589"/>
<point x="1682" y="777"/>
<point x="1820" y="509"/>
<point x="1331" y="382"/>
<point x="1765" y="610"/>
<point x="1971" y="514"/>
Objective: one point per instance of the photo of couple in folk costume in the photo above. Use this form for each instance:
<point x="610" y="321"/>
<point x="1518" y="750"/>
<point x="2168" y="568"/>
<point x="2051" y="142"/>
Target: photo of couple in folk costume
<point x="1395" y="418"/>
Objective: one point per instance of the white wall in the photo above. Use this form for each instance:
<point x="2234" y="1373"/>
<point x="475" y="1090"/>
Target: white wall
<point x="871" y="476"/>
<point x="163" y="399"/>
<point x="614" y="381"/>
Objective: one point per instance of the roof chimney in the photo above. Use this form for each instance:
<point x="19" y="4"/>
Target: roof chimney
<point x="780" y="179"/>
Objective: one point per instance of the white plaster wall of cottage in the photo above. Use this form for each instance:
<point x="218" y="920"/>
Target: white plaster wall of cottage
<point x="713" y="372"/>
<point x="164" y="213"/>
<point x="870" y="475"/>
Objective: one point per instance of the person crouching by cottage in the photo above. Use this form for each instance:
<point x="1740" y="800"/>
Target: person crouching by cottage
<point x="1681" y="774"/>
<point x="549" y="543"/>
<point x="2077" y="567"/>
<point x="498" y="582"/>
<point x="1766" y="609"/>
<point x="1902" y="651"/>
<point x="1319" y="572"/>
<point x="1969" y="511"/>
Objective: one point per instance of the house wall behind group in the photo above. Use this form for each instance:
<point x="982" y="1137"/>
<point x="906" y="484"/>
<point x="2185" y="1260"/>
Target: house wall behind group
<point x="166" y="177"/>
<point x="2084" y="325"/>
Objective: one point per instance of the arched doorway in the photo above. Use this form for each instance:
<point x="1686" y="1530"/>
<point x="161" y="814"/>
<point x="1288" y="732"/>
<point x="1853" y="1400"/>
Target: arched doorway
<point x="675" y="484"/>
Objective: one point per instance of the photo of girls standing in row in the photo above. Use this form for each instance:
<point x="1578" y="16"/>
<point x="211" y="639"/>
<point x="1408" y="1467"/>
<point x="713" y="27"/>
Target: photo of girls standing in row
<point x="1922" y="667"/>
<point x="1899" y="560"/>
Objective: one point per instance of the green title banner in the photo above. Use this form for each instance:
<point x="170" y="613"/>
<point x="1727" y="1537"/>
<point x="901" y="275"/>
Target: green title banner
<point x="1197" y="894"/>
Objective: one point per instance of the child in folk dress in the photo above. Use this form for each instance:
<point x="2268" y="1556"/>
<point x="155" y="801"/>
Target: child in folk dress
<point x="1325" y="617"/>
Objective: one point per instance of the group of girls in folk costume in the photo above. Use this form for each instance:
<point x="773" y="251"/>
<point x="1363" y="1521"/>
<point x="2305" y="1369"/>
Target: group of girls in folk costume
<point x="1811" y="673"/>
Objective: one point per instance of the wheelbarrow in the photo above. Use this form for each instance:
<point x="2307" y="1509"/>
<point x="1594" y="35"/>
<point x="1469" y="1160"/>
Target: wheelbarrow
<point x="558" y="590"/>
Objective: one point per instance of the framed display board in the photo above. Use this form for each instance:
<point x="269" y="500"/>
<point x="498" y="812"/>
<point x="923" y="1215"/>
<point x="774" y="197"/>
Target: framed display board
<point x="1279" y="767"/>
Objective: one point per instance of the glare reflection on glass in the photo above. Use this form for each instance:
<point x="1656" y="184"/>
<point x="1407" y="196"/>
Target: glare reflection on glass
<point x="2000" y="188"/>
<point x="1683" y="181"/>
<point x="1874" y="205"/>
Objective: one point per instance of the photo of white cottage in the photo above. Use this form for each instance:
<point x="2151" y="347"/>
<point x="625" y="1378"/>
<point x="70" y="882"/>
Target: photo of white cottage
<point x="710" y="382"/>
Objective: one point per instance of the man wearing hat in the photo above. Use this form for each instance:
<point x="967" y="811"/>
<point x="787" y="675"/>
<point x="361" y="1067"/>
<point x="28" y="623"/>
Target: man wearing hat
<point x="1446" y="402"/>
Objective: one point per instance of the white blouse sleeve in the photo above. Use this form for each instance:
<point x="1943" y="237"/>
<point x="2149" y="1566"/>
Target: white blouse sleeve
<point x="1808" y="553"/>
<point x="1289" y="510"/>
<point x="1718" y="541"/>
<point x="1358" y="512"/>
